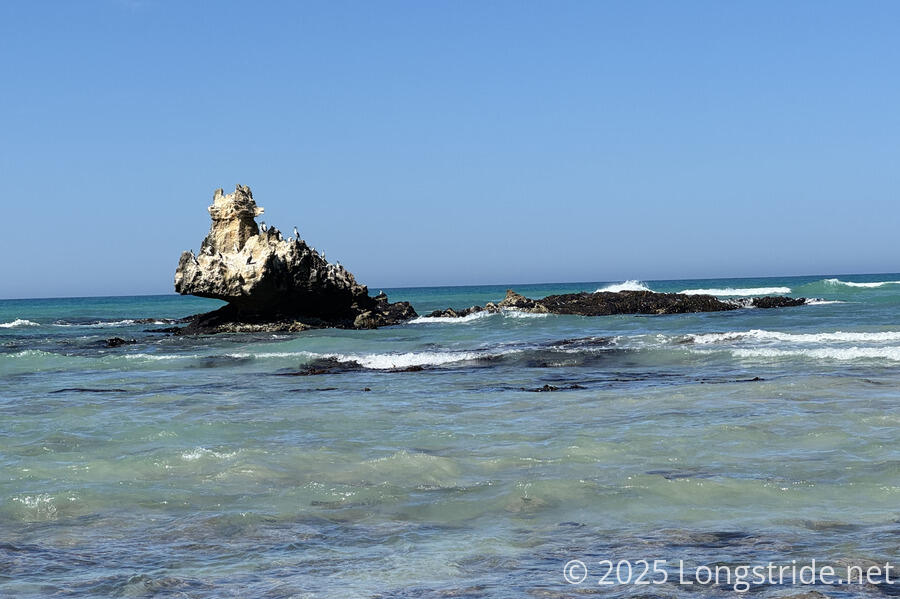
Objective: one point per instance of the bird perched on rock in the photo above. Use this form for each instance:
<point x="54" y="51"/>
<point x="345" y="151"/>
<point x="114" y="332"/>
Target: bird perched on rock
<point x="296" y="233"/>
<point x="263" y="227"/>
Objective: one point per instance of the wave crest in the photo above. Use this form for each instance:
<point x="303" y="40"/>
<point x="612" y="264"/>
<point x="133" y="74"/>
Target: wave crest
<point x="731" y="291"/>
<point x="19" y="322"/>
<point x="762" y="335"/>
<point x="830" y="353"/>
<point x="870" y="285"/>
<point x="629" y="285"/>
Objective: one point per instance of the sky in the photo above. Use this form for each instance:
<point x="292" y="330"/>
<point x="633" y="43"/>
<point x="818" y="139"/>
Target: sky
<point x="449" y="143"/>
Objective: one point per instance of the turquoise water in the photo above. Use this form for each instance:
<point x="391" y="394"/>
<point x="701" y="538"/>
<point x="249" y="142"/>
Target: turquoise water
<point x="202" y="467"/>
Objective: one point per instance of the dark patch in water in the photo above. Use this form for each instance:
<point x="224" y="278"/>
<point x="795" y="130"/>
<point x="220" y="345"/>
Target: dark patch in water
<point x="550" y="388"/>
<point x="324" y="366"/>
<point x="583" y="342"/>
<point x="831" y="526"/>
<point x="314" y="390"/>
<point x="415" y="368"/>
<point x="88" y="390"/>
<point x="218" y="361"/>
<point x="677" y="474"/>
<point x="719" y="382"/>
<point x="164" y="330"/>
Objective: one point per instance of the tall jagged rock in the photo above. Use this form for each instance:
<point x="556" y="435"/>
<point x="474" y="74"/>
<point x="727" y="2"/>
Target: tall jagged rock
<point x="272" y="283"/>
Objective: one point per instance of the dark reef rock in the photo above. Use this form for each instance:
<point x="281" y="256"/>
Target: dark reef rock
<point x="605" y="303"/>
<point x="775" y="301"/>
<point x="118" y="341"/>
<point x="272" y="283"/>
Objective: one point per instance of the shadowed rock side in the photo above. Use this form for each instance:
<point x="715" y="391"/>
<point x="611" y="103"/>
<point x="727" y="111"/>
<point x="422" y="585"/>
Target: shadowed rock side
<point x="272" y="283"/>
<point x="605" y="303"/>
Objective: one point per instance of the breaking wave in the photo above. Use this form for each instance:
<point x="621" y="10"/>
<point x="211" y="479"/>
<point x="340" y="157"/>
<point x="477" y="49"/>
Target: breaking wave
<point x="730" y="291"/>
<point x="382" y="361"/>
<point x="761" y="335"/>
<point x="19" y="322"/>
<point x="829" y="353"/>
<point x="473" y="317"/>
<point x="630" y="285"/>
<point x="390" y="361"/>
<point x="103" y="324"/>
<point x="450" y="319"/>
<point x="520" y="314"/>
<point x="872" y="284"/>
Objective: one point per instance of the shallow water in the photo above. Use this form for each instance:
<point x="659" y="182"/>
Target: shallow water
<point x="210" y="467"/>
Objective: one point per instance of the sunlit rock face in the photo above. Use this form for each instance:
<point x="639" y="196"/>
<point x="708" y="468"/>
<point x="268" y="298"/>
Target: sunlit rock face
<point x="267" y="278"/>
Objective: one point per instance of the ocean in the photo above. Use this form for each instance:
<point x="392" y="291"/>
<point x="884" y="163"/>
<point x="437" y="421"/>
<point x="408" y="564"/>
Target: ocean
<point x="471" y="457"/>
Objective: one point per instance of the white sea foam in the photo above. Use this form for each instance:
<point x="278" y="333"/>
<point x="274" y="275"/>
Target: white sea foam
<point x="822" y="302"/>
<point x="761" y="335"/>
<point x="200" y="452"/>
<point x="101" y="325"/>
<point x="159" y="357"/>
<point x="519" y="314"/>
<point x="891" y="353"/>
<point x="450" y="319"/>
<point x="19" y="322"/>
<point x="384" y="361"/>
<point x="279" y="354"/>
<point x="30" y="353"/>
<point x="381" y="361"/>
<point x="871" y="284"/>
<point x="730" y="291"/>
<point x="390" y="361"/>
<point x="629" y="285"/>
<point x="39" y="507"/>
<point x="507" y="312"/>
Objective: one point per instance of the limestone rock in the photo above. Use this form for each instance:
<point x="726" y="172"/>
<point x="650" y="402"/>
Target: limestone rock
<point x="272" y="283"/>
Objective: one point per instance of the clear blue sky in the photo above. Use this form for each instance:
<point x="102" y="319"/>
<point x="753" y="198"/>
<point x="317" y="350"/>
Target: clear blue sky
<point x="428" y="143"/>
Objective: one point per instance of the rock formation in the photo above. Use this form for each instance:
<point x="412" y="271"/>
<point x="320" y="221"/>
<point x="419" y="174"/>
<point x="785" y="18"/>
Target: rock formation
<point x="605" y="303"/>
<point x="272" y="283"/>
<point x="277" y="284"/>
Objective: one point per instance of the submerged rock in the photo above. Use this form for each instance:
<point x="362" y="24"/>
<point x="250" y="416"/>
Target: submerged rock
<point x="272" y="283"/>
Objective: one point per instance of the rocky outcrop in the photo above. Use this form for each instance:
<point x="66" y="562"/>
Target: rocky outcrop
<point x="605" y="303"/>
<point x="777" y="301"/>
<point x="272" y="283"/>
